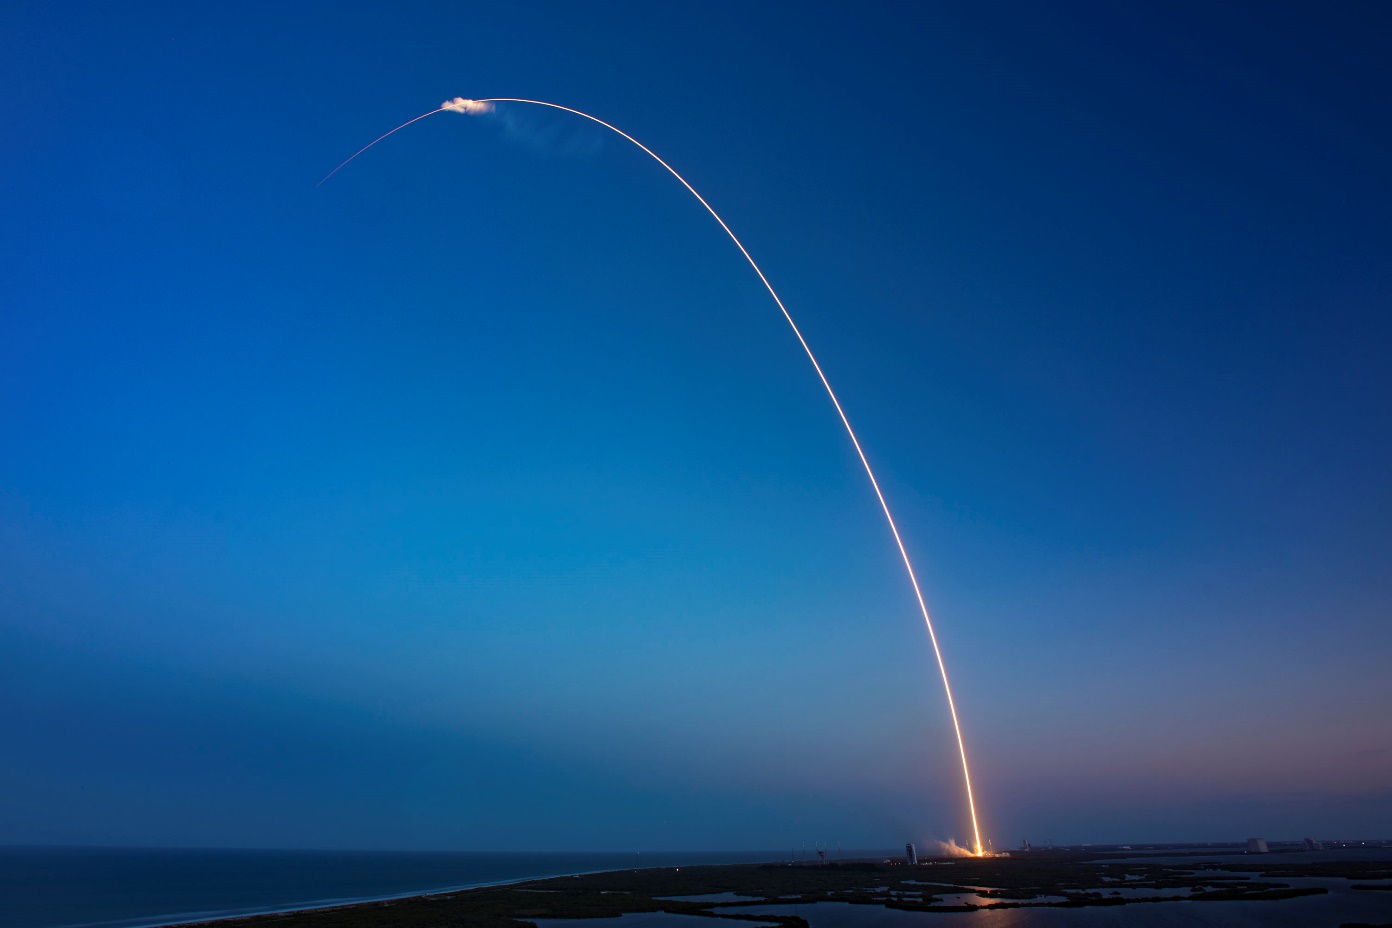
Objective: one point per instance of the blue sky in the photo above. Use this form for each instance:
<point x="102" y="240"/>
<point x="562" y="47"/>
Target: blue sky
<point x="481" y="498"/>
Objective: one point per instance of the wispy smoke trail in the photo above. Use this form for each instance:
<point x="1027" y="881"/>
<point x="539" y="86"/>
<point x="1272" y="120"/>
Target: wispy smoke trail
<point x="472" y="107"/>
<point x="547" y="138"/>
<point x="541" y="138"/>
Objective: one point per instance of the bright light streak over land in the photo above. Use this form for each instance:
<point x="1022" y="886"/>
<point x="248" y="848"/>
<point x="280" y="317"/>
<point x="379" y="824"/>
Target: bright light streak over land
<point x="476" y="107"/>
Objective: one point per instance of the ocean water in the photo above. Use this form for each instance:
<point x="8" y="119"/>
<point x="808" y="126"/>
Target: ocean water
<point x="139" y="887"/>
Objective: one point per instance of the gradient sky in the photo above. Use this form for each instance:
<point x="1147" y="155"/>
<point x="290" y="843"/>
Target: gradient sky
<point x="481" y="499"/>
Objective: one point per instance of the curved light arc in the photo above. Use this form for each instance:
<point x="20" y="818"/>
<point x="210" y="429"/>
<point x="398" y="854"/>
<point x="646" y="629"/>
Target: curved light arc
<point x="821" y="375"/>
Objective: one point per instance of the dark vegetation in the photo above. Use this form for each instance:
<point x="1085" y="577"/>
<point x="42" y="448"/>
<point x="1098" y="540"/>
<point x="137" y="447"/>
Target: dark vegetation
<point x="1333" y="869"/>
<point x="1060" y="879"/>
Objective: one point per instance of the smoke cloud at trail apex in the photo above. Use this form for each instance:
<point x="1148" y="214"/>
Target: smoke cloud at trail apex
<point x="461" y="105"/>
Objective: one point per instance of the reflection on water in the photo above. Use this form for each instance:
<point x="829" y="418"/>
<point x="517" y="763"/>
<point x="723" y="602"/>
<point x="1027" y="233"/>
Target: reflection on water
<point x="978" y="899"/>
<point x="642" y="920"/>
<point x="1147" y="892"/>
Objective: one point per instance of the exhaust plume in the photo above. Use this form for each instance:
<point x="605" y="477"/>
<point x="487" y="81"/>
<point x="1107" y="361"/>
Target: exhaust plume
<point x="950" y="848"/>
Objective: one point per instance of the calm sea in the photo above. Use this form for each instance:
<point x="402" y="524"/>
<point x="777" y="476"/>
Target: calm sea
<point x="136" y="887"/>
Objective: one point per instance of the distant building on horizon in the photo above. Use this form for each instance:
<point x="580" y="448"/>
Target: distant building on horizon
<point x="1310" y="844"/>
<point x="911" y="853"/>
<point x="1257" y="846"/>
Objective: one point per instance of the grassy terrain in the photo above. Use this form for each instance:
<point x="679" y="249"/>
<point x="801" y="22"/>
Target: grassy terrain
<point x="1067" y="879"/>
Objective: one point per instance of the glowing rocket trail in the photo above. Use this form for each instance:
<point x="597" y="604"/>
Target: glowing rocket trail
<point x="376" y="140"/>
<point x="463" y="105"/>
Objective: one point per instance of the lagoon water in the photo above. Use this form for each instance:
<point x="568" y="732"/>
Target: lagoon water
<point x="1340" y="906"/>
<point x="137" y="887"/>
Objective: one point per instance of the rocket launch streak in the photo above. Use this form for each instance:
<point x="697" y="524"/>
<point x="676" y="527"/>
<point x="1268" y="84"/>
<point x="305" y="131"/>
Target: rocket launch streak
<point x="462" y="105"/>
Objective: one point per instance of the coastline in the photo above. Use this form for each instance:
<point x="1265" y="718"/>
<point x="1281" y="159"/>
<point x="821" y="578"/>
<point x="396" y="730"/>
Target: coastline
<point x="55" y="886"/>
<point x="1047" y="887"/>
<point x="330" y="905"/>
<point x="867" y="893"/>
<point x="335" y="905"/>
<point x="327" y="906"/>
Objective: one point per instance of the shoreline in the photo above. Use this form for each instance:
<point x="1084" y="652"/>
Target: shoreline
<point x="369" y="900"/>
<point x="338" y="904"/>
<point x="1048" y="880"/>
